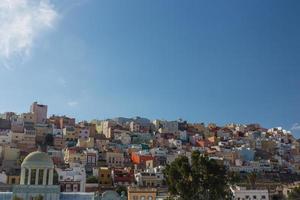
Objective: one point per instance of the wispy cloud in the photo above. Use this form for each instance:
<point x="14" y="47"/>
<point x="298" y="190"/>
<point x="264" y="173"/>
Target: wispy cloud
<point x="21" y="22"/>
<point x="295" y="127"/>
<point x="72" y="103"/>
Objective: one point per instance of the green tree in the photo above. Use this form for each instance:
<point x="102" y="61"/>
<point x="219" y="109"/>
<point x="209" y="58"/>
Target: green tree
<point x="294" y="194"/>
<point x="203" y="179"/>
<point x="121" y="189"/>
<point x="55" y="178"/>
<point x="49" y="140"/>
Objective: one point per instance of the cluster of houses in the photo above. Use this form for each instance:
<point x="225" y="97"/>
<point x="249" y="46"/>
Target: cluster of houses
<point x="103" y="155"/>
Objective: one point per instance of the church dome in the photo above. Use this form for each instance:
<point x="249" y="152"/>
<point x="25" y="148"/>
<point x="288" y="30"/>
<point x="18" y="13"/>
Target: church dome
<point x="37" y="159"/>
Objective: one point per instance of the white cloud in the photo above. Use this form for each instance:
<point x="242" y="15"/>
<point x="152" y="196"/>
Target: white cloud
<point x="72" y="103"/>
<point x="295" y="127"/>
<point x="21" y="22"/>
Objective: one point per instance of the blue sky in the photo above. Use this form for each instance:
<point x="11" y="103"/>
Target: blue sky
<point x="204" y="61"/>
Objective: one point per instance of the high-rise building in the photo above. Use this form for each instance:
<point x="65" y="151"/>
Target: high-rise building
<point x="40" y="112"/>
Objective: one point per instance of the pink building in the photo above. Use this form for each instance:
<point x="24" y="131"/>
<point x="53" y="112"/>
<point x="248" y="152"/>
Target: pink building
<point x="40" y="112"/>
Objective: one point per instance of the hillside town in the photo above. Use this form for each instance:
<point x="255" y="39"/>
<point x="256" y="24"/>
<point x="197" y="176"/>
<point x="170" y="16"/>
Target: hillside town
<point x="125" y="157"/>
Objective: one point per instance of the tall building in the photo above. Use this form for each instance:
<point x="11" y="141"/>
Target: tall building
<point x="40" y="112"/>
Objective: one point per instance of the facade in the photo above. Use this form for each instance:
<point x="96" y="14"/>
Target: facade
<point x="72" y="179"/>
<point x="135" y="193"/>
<point x="86" y="143"/>
<point x="164" y="126"/>
<point x="28" y="117"/>
<point x="114" y="159"/>
<point x="123" y="176"/>
<point x="83" y="132"/>
<point x="240" y="193"/>
<point x="61" y="122"/>
<point x="58" y="142"/>
<point x="135" y="127"/>
<point x="150" y="178"/>
<point x="140" y="158"/>
<point x="39" y="112"/>
<point x="41" y="131"/>
<point x="105" y="179"/>
<point x="74" y="155"/>
<point x="5" y="136"/>
<point x="107" y="128"/>
<point x="10" y="153"/>
<point x="70" y="134"/>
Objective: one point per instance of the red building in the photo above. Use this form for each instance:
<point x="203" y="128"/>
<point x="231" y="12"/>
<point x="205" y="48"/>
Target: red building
<point x="122" y="176"/>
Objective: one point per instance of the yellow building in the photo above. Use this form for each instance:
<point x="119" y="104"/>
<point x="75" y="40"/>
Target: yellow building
<point x="10" y="153"/>
<point x="13" y="180"/>
<point x="28" y="142"/>
<point x="74" y="155"/>
<point x="135" y="193"/>
<point x="28" y="117"/>
<point x="70" y="134"/>
<point x="86" y="143"/>
<point x="105" y="179"/>
<point x="17" y="137"/>
<point x="99" y="126"/>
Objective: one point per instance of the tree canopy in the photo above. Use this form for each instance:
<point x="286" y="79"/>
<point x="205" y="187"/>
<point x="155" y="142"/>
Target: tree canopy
<point x="294" y="194"/>
<point x="49" y="140"/>
<point x="203" y="178"/>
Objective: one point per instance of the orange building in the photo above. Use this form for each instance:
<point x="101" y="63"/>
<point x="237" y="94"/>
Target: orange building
<point x="140" y="158"/>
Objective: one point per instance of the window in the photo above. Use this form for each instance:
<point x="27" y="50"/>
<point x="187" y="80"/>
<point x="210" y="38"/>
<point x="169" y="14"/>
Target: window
<point x="150" y="198"/>
<point x="254" y="197"/>
<point x="263" y="197"/>
<point x="135" y="197"/>
<point x="143" y="198"/>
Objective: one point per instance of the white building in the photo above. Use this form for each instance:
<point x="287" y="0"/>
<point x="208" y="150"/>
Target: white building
<point x="166" y="126"/>
<point x="241" y="193"/>
<point x="150" y="178"/>
<point x="122" y="136"/>
<point x="3" y="177"/>
<point x="173" y="143"/>
<point x="72" y="179"/>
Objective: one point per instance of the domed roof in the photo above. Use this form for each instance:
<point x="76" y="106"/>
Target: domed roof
<point x="37" y="159"/>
